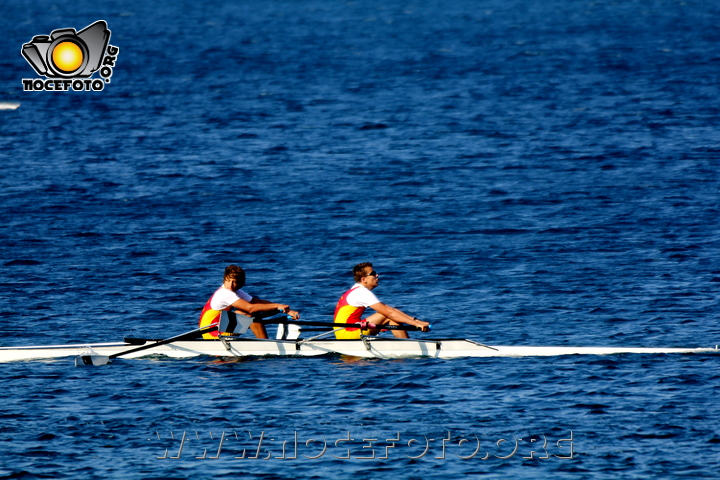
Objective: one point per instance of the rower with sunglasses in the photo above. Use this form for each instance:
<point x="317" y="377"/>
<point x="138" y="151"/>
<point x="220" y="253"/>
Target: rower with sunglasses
<point x="353" y="303"/>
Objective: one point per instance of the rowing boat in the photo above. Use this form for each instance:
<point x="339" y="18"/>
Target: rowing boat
<point x="288" y="343"/>
<point x="366" y="347"/>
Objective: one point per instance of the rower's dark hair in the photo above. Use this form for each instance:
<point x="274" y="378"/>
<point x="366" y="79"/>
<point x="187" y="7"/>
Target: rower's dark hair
<point x="359" y="270"/>
<point x="236" y="273"/>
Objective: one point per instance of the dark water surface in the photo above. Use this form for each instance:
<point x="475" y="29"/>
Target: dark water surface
<point x="519" y="172"/>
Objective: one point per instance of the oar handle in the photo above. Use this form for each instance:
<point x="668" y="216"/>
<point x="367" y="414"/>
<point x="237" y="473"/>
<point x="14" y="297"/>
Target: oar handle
<point x="361" y="325"/>
<point x="366" y="325"/>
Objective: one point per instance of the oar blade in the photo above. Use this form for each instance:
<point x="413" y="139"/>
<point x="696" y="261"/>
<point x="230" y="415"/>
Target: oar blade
<point x="83" y="360"/>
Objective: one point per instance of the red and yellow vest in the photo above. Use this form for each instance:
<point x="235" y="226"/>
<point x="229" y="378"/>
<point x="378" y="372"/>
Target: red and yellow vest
<point x="208" y="316"/>
<point x="346" y="313"/>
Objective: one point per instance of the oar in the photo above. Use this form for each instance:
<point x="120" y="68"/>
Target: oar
<point x="105" y="359"/>
<point x="361" y="325"/>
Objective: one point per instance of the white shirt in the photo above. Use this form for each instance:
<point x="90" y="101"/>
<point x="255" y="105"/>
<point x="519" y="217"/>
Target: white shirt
<point x="361" y="297"/>
<point x="223" y="298"/>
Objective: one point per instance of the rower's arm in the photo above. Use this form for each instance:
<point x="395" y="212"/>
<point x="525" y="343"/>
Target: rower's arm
<point x="252" y="307"/>
<point x="398" y="316"/>
<point x="283" y="308"/>
<point x="259" y="301"/>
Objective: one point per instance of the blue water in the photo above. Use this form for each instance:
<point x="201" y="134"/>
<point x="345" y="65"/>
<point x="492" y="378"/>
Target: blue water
<point x="519" y="172"/>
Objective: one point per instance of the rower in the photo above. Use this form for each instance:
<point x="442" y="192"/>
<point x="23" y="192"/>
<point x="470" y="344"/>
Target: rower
<point x="352" y="305"/>
<point x="231" y="296"/>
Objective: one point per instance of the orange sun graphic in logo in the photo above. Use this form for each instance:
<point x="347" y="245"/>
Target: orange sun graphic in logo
<point x="67" y="56"/>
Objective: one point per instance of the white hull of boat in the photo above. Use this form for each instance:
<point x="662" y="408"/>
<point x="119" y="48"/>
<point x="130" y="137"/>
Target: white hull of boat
<point x="371" y="347"/>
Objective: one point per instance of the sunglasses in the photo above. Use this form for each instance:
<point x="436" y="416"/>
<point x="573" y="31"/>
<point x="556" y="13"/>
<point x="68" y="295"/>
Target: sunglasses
<point x="372" y="274"/>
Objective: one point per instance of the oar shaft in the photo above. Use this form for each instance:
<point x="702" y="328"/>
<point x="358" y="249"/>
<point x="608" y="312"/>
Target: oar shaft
<point x="363" y="325"/>
<point x="192" y="333"/>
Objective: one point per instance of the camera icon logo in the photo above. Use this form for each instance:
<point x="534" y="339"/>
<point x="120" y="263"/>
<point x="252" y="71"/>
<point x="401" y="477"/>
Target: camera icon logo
<point x="66" y="53"/>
